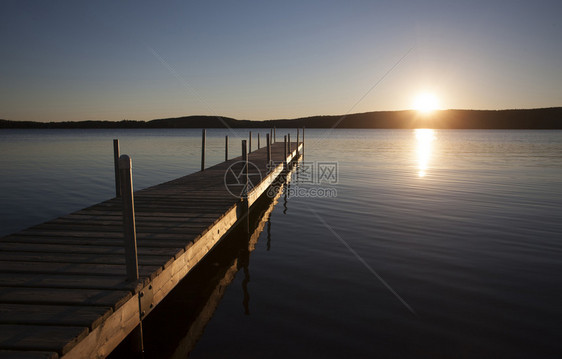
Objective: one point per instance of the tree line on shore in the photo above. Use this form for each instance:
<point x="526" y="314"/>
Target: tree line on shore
<point x="542" y="118"/>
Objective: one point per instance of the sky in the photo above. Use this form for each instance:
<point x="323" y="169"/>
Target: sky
<point x="258" y="60"/>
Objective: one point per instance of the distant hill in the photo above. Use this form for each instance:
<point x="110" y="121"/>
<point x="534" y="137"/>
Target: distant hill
<point x="542" y="118"/>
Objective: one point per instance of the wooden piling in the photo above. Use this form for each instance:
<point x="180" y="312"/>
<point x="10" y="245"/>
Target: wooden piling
<point x="116" y="167"/>
<point x="289" y="142"/>
<point x="245" y="203"/>
<point x="250" y="142"/>
<point x="226" y="148"/>
<point x="130" y="239"/>
<point x="298" y="141"/>
<point x="203" y="138"/>
<point x="303" y="141"/>
<point x="268" y="144"/>
<point x="259" y="141"/>
<point x="129" y="226"/>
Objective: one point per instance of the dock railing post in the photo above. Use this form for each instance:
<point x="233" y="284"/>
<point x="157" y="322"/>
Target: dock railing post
<point x="285" y="154"/>
<point x="226" y="148"/>
<point x="250" y="142"/>
<point x="116" y="166"/>
<point x="289" y="142"/>
<point x="274" y="136"/>
<point x="130" y="238"/>
<point x="129" y="226"/>
<point x="203" y="137"/>
<point x="259" y="141"/>
<point x="245" y="204"/>
<point x="268" y="144"/>
<point x="303" y="142"/>
<point x="298" y="142"/>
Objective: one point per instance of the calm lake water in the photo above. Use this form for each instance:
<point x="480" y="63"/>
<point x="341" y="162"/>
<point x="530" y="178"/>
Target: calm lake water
<point x="438" y="243"/>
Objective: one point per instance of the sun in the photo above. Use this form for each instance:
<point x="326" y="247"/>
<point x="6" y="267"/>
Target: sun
<point x="426" y="102"/>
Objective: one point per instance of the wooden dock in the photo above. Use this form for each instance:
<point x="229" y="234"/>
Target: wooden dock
<point x="64" y="287"/>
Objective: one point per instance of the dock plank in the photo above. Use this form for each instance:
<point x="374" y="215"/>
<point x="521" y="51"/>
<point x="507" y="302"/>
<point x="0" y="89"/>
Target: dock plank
<point x="72" y="268"/>
<point x="78" y="316"/>
<point x="85" y="297"/>
<point x="116" y="242"/>
<point x="66" y="281"/>
<point x="84" y="249"/>
<point x="59" y="339"/>
<point x="27" y="354"/>
<point x="144" y="260"/>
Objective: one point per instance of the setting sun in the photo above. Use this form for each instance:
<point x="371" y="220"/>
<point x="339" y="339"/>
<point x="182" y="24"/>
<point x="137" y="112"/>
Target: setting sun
<point x="426" y="102"/>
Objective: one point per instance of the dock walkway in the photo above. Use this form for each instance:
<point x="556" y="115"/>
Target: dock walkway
<point x="64" y="291"/>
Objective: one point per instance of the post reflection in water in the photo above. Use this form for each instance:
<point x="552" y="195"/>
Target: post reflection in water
<point x="269" y="234"/>
<point x="285" y="199"/>
<point x="424" y="139"/>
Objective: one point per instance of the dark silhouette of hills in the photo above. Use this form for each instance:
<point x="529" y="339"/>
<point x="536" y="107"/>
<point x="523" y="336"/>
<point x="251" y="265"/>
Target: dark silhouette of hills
<point x="542" y="118"/>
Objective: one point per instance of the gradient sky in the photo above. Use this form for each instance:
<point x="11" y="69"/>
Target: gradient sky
<point x="140" y="60"/>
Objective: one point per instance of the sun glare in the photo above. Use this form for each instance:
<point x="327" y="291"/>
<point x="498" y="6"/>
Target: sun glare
<point x="426" y="103"/>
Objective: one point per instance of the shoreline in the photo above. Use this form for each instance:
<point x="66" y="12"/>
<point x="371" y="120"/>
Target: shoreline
<point x="541" y="118"/>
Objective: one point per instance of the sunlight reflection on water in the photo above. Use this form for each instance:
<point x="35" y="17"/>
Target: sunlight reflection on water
<point x="424" y="139"/>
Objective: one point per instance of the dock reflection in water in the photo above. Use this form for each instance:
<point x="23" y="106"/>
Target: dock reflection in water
<point x="175" y="326"/>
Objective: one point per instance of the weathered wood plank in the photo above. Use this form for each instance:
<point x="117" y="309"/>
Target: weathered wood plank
<point x="48" y="338"/>
<point x="77" y="316"/>
<point x="146" y="260"/>
<point x="27" y="354"/>
<point x="148" y="243"/>
<point x="33" y="280"/>
<point x="112" y="235"/>
<point x="102" y="340"/>
<point x="85" y="297"/>
<point x="72" y="268"/>
<point x="84" y="249"/>
<point x="114" y="231"/>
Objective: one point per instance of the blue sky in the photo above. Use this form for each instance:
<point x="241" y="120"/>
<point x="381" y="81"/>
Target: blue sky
<point x="140" y="60"/>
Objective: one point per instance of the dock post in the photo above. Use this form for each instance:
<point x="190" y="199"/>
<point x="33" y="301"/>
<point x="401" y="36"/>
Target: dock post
<point x="129" y="227"/>
<point x="303" y="141"/>
<point x="245" y="204"/>
<point x="271" y="135"/>
<point x="250" y="142"/>
<point x="259" y="141"/>
<point x="203" y="136"/>
<point x="268" y="144"/>
<point x="116" y="166"/>
<point x="226" y="148"/>
<point x="298" y="142"/>
<point x="289" y="142"/>
<point x="274" y="136"/>
<point x="130" y="237"/>
<point x="285" y="152"/>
